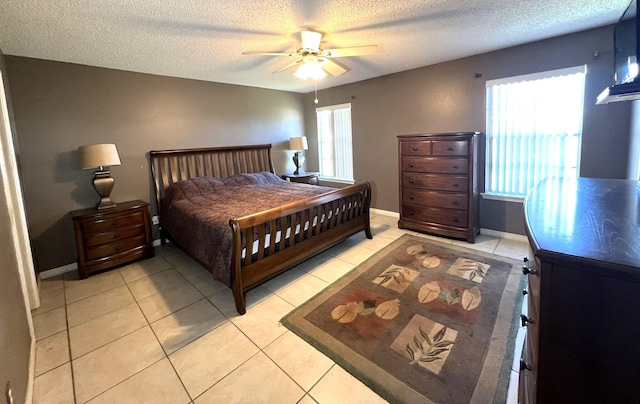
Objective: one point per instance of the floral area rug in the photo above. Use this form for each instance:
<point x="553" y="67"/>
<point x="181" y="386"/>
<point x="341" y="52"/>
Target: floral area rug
<point x="421" y="322"/>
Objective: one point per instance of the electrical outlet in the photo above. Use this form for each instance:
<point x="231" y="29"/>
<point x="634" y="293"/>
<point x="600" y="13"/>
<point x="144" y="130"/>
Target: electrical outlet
<point x="155" y="220"/>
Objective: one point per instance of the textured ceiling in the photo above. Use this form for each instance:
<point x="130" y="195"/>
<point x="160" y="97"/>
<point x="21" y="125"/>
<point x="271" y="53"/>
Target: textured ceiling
<point x="204" y="39"/>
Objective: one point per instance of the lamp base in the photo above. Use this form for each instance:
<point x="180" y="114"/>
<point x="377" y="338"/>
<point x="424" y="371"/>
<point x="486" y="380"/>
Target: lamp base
<point x="298" y="160"/>
<point x="103" y="182"/>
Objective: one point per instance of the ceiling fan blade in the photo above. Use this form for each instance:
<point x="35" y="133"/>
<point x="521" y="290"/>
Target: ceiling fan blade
<point x="354" y="51"/>
<point x="287" y="67"/>
<point x="271" y="53"/>
<point x="311" y="40"/>
<point x="334" y="68"/>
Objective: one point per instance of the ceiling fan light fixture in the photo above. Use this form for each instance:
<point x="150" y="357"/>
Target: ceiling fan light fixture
<point x="310" y="70"/>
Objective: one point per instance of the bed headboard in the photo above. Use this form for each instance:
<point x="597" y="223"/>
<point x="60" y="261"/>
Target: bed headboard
<point x="169" y="166"/>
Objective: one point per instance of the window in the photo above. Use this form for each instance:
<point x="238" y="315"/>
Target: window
<point x="534" y="124"/>
<point x="334" y="143"/>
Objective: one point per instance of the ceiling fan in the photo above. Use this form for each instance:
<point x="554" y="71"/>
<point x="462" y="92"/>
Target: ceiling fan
<point x="315" y="62"/>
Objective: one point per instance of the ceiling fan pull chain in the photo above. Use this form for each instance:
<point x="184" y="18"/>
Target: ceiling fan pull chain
<point x="315" y="86"/>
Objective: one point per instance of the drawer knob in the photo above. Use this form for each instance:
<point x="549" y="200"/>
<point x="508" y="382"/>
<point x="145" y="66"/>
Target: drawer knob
<point x="414" y="148"/>
<point x="410" y="164"/>
<point x="524" y="292"/>
<point x="411" y="198"/>
<point x="411" y="181"/>
<point x="117" y="235"/>
<point x="455" y="203"/>
<point x="454" y="219"/>
<point x="118" y="248"/>
<point x="528" y="271"/>
<point x="524" y="365"/>
<point x="524" y="320"/>
<point x="525" y="268"/>
<point x="450" y="148"/>
<point x="455" y="185"/>
<point x="115" y="223"/>
<point x="411" y="212"/>
<point x="455" y="167"/>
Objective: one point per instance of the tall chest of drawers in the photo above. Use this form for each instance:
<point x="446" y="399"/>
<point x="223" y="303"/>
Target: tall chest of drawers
<point x="438" y="184"/>
<point x="582" y="319"/>
<point x="108" y="238"/>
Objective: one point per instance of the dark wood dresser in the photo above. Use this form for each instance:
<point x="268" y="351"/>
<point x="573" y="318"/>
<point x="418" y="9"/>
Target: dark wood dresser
<point x="112" y="237"/>
<point x="583" y="321"/>
<point x="438" y="184"/>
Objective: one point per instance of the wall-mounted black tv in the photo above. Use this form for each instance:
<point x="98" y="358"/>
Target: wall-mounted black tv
<point x="626" y="38"/>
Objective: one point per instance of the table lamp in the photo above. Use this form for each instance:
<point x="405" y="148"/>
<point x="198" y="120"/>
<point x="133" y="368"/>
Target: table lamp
<point x="101" y="156"/>
<point x="298" y="143"/>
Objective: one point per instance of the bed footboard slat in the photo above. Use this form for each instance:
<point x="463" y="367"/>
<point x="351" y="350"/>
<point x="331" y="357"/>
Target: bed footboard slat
<point x="349" y="211"/>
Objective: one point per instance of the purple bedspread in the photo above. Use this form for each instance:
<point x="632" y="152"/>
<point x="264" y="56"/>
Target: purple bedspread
<point x="196" y="212"/>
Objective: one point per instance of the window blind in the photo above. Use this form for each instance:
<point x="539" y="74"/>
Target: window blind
<point x="534" y="124"/>
<point x="334" y="142"/>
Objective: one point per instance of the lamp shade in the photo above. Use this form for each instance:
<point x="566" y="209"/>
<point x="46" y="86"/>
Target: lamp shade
<point x="98" y="155"/>
<point x="298" y="143"/>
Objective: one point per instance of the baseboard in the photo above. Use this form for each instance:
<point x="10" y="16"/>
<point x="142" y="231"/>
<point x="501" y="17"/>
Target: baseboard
<point x="505" y="235"/>
<point x="385" y="213"/>
<point x="32" y="370"/>
<point x="50" y="273"/>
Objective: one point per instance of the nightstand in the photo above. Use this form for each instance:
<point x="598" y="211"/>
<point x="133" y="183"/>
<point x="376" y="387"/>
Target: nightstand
<point x="309" y="177"/>
<point x="109" y="238"/>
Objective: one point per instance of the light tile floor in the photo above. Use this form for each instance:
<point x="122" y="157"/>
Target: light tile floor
<point x="163" y="331"/>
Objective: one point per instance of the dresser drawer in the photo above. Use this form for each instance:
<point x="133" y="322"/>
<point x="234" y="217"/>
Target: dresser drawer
<point x="527" y="376"/>
<point x="112" y="222"/>
<point x="416" y="148"/>
<point x="436" y="182"/>
<point x="114" y="235"/>
<point x="441" y="216"/>
<point x="435" y="199"/>
<point x="450" y="148"/>
<point x="105" y="250"/>
<point x="435" y="165"/>
<point x="533" y="335"/>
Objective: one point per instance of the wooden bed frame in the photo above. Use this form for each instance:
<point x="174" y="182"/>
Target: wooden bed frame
<point x="344" y="212"/>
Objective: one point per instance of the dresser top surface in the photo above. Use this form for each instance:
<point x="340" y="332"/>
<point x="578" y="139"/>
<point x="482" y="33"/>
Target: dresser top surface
<point x="596" y="219"/>
<point x="448" y="135"/>
<point x="120" y="207"/>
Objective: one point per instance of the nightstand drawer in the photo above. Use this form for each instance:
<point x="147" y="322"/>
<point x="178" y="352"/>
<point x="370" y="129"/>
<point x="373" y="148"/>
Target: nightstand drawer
<point x="435" y="165"/>
<point x="105" y="250"/>
<point x="435" y="199"/>
<point x="112" y="222"/>
<point x="432" y="215"/>
<point x="114" y="235"/>
<point x="436" y="182"/>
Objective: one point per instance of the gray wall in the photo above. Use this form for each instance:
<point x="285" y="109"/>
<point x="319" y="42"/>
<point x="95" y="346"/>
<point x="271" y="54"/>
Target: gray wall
<point x="60" y="106"/>
<point x="447" y="98"/>
<point x="15" y="337"/>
